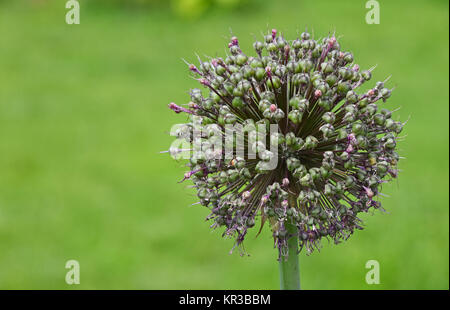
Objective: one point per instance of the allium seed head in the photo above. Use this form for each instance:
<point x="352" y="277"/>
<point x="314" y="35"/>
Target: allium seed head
<point x="331" y="146"/>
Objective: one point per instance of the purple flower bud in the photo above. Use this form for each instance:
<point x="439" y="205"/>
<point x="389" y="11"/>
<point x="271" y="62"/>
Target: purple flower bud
<point x="204" y="82"/>
<point x="273" y="108"/>
<point x="274" y="33"/>
<point x="193" y="68"/>
<point x="331" y="42"/>
<point x="350" y="149"/>
<point x="178" y="109"/>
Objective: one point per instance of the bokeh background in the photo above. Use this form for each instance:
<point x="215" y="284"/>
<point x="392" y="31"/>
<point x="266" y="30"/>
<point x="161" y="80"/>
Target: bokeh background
<point x="83" y="117"/>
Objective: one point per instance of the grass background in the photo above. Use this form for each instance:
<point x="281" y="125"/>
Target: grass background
<point x="83" y="115"/>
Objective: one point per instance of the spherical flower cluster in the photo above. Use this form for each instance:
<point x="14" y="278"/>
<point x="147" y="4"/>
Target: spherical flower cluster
<point x="335" y="146"/>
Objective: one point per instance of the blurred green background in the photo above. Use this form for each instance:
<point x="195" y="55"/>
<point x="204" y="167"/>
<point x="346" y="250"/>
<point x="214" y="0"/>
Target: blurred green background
<point x="83" y="116"/>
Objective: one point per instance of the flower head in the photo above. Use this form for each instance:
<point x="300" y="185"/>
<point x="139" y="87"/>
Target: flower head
<point x="331" y="146"/>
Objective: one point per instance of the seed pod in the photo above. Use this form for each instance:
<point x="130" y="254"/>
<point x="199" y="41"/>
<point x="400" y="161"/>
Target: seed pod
<point x="330" y="151"/>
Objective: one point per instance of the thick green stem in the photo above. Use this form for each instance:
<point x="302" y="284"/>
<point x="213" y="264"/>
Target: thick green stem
<point x="289" y="269"/>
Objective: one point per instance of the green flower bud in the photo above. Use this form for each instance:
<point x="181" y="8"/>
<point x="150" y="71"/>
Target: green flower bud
<point x="348" y="58"/>
<point x="390" y="143"/>
<point x="276" y="138"/>
<point x="237" y="102"/>
<point x="296" y="44"/>
<point x="342" y="133"/>
<point x="331" y="79"/>
<point x="303" y="105"/>
<point x="295" y="116"/>
<point x="292" y="163"/>
<point x="339" y="188"/>
<point x="300" y="171"/>
<point x="343" y="87"/>
<point x="274" y="82"/>
<point x="241" y="59"/>
<point x="327" y="67"/>
<point x="236" y="78"/>
<point x="363" y="103"/>
<point x="301" y="79"/>
<point x="390" y="124"/>
<point x="323" y="87"/>
<point x="223" y="177"/>
<point x="329" y="117"/>
<point x="358" y="128"/>
<point x="325" y="104"/>
<point x="327" y="131"/>
<point x="366" y="75"/>
<point x="306" y="180"/>
<point x="259" y="74"/>
<point x="326" y="173"/>
<point x="220" y="70"/>
<point x="398" y="127"/>
<point x="315" y="173"/>
<point x="233" y="68"/>
<point x="245" y="173"/>
<point x="379" y="119"/>
<point x="361" y="141"/>
<point x="230" y="119"/>
<point x="258" y="46"/>
<point x="386" y="113"/>
<point x="382" y="168"/>
<point x="264" y="105"/>
<point x="310" y="142"/>
<point x="349" y="164"/>
<point x="345" y="73"/>
<point x="372" y="109"/>
<point x="256" y="63"/>
<point x="202" y="193"/>
<point x="351" y="97"/>
<point x="305" y="35"/>
<point x="329" y="189"/>
<point x="271" y="48"/>
<point x="249" y="72"/>
<point x="278" y="115"/>
<point x="344" y="156"/>
<point x="294" y="102"/>
<point x="349" y="181"/>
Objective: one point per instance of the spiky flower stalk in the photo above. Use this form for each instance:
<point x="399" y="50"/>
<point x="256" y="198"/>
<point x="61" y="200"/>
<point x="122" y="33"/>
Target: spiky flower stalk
<point x="334" y="147"/>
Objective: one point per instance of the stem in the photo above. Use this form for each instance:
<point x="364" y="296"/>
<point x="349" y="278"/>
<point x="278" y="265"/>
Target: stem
<point x="289" y="269"/>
